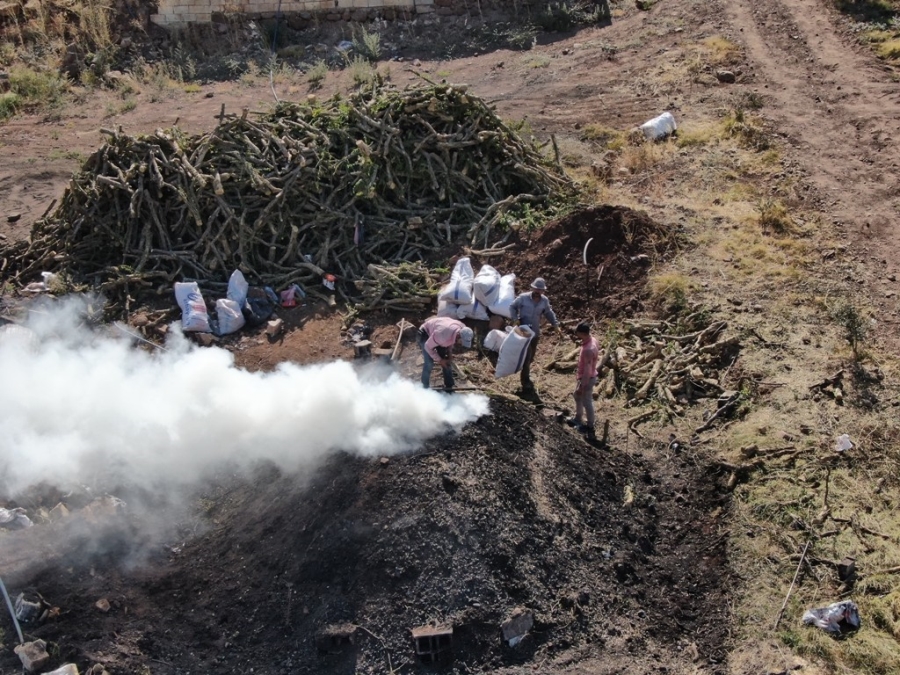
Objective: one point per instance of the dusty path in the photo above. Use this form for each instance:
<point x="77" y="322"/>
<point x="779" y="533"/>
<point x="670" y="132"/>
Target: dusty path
<point x="838" y="106"/>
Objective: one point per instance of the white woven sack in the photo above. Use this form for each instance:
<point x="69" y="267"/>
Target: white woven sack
<point x="459" y="290"/>
<point x="487" y="285"/>
<point x="512" y="352"/>
<point x="494" y="340"/>
<point x="505" y="296"/>
<point x="475" y="311"/>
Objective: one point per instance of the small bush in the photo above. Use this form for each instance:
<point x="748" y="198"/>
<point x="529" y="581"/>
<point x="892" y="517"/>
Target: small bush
<point x="855" y="326"/>
<point x="521" y="37"/>
<point x="611" y="139"/>
<point x="367" y="45"/>
<point x="36" y="89"/>
<point x="317" y="74"/>
<point x="361" y="71"/>
<point x="9" y="104"/>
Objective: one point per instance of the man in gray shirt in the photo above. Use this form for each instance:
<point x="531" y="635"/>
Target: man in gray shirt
<point x="527" y="309"/>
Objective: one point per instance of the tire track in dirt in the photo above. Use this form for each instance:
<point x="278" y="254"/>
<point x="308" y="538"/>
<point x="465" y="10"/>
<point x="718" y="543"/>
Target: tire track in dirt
<point x="836" y="106"/>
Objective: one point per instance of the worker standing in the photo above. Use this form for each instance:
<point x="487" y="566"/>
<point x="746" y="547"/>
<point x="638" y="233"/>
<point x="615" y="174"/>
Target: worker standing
<point x="527" y="309"/>
<point x="436" y="337"/>
<point x="586" y="379"/>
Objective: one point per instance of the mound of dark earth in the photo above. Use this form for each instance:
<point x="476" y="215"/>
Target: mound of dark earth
<point x="623" y="245"/>
<point x="617" y="556"/>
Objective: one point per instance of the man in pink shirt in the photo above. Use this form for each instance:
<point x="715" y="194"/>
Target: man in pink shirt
<point x="587" y="378"/>
<point x="436" y="338"/>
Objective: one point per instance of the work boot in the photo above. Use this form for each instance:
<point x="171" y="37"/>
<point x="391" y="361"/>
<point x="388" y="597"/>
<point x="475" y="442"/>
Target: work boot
<point x="587" y="431"/>
<point x="574" y="422"/>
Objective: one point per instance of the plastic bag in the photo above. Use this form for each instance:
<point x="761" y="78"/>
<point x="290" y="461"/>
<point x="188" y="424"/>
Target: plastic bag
<point x="505" y="296"/>
<point x="831" y="618"/>
<point x="512" y="351"/>
<point x="194" y="317"/>
<point x="659" y="127"/>
<point x="230" y="317"/>
<point x="486" y="286"/>
<point x="475" y="311"/>
<point x="459" y="290"/>
<point x="494" y="340"/>
<point x="238" y="288"/>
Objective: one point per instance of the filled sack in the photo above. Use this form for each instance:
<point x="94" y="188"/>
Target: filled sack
<point x="194" y="317"/>
<point x="229" y="316"/>
<point x="494" y="340"/>
<point x="659" y="127"/>
<point x="513" y="351"/>
<point x="486" y="286"/>
<point x="475" y="311"/>
<point x="459" y="290"/>
<point x="505" y="296"/>
<point x="447" y="309"/>
<point x="238" y="288"/>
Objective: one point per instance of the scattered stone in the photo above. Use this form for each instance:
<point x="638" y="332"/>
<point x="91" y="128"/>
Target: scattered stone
<point x="725" y="76"/>
<point x="140" y="319"/>
<point x="58" y="512"/>
<point x="336" y="638"/>
<point x="97" y="669"/>
<point x="205" y="339"/>
<point x="125" y="43"/>
<point x="846" y="569"/>
<point x="385" y="461"/>
<point x="208" y="94"/>
<point x="13" y="217"/>
<point x="68" y="669"/>
<point x="566" y="52"/>
<point x="892" y="277"/>
<point x="275" y="327"/>
<point x="103" y="605"/>
<point x="28" y="611"/>
<point x="890" y="294"/>
<point x="517" y="625"/>
<point x="737" y="302"/>
<point x="33" y="655"/>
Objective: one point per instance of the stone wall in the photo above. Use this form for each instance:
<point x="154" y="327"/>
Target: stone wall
<point x="179" y="12"/>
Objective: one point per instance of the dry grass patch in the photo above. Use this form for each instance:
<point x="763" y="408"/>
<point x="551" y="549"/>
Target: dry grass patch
<point x="720" y="51"/>
<point x="669" y="291"/>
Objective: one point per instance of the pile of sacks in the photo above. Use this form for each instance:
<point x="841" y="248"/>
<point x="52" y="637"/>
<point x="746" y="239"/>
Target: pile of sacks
<point x="233" y="312"/>
<point x="470" y="296"/>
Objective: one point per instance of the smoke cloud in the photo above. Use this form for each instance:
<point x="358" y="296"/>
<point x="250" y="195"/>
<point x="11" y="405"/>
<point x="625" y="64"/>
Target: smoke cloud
<point x="78" y="404"/>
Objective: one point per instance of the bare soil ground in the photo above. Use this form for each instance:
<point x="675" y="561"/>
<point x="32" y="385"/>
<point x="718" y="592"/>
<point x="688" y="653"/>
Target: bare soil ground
<point x="704" y="578"/>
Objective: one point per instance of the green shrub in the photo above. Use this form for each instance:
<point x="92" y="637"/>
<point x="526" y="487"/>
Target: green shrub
<point x="9" y="103"/>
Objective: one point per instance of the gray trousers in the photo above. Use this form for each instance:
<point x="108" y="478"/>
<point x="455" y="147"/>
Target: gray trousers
<point x="584" y="402"/>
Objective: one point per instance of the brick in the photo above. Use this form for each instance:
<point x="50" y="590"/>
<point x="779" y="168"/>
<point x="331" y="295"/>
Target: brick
<point x="158" y="19"/>
<point x="423" y="9"/>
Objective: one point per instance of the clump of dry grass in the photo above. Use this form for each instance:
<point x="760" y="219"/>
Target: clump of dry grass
<point x="773" y="217"/>
<point x="669" y="291"/>
<point x="747" y="129"/>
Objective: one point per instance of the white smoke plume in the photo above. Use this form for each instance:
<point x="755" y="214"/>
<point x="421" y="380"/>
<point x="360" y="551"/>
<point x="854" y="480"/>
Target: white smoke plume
<point x="78" y="404"/>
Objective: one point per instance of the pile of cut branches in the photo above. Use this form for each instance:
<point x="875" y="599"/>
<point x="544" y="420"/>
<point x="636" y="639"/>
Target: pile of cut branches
<point x="382" y="178"/>
<point x="650" y="363"/>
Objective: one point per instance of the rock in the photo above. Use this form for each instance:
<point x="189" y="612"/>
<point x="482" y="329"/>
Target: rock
<point x="208" y="94"/>
<point x="33" y="655"/>
<point x="517" y="625"/>
<point x="385" y="461"/>
<point x="58" y="512"/>
<point x="125" y="43"/>
<point x="102" y="604"/>
<point x="846" y="568"/>
<point x="275" y="327"/>
<point x="891" y="277"/>
<point x="140" y="319"/>
<point x="68" y="669"/>
<point x="97" y="669"/>
<point x="725" y="76"/>
<point x="206" y="339"/>
<point x="13" y="217"/>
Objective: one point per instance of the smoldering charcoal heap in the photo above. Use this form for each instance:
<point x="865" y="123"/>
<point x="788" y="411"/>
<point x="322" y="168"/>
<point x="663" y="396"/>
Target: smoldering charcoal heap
<point x="384" y="176"/>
